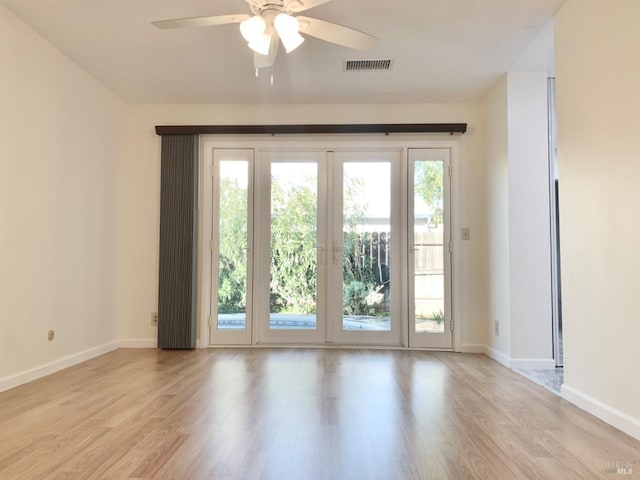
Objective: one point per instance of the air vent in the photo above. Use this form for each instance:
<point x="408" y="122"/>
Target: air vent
<point x="367" y="65"/>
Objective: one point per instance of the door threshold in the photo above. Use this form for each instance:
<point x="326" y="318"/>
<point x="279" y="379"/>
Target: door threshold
<point x="333" y="346"/>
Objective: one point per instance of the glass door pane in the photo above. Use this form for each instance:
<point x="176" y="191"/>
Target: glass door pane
<point x="429" y="254"/>
<point x="232" y="245"/>
<point x="366" y="259"/>
<point x="429" y="251"/>
<point x="294" y="237"/>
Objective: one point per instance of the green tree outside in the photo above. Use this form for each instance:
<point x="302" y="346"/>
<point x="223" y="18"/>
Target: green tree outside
<point x="293" y="244"/>
<point x="429" y="184"/>
<point x="294" y="263"/>
<point x="232" y="256"/>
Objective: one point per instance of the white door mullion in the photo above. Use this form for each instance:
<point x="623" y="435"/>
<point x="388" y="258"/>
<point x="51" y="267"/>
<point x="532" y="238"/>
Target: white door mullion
<point x="405" y="243"/>
<point x="332" y="311"/>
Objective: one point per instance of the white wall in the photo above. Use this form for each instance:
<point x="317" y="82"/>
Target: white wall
<point x="60" y="135"/>
<point x="529" y="221"/>
<point x="517" y="178"/>
<point x="598" y="74"/>
<point x="138" y="209"/>
<point x="497" y="180"/>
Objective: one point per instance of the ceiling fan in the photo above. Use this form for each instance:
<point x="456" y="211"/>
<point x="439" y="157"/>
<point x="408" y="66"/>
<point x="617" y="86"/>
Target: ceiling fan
<point x="273" y="21"/>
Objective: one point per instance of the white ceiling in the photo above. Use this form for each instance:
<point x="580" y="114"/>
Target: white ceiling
<point x="443" y="50"/>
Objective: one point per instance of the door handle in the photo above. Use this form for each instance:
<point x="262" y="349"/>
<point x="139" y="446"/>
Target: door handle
<point x="337" y="253"/>
<point x="322" y="254"/>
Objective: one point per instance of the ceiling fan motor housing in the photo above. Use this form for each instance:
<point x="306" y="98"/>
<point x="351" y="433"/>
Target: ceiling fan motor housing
<point x="264" y="7"/>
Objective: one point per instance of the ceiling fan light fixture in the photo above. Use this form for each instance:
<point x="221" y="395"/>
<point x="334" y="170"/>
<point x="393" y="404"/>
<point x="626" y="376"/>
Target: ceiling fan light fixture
<point x="262" y="44"/>
<point x="288" y="31"/>
<point x="253" y="28"/>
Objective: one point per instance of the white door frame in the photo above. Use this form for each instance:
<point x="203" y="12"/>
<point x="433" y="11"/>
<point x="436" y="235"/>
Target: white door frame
<point x="212" y="197"/>
<point x="325" y="143"/>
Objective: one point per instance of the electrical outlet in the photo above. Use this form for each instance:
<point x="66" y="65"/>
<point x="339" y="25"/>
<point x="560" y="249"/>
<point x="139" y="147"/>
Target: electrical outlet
<point x="51" y="335"/>
<point x="154" y="319"/>
<point x="496" y="328"/>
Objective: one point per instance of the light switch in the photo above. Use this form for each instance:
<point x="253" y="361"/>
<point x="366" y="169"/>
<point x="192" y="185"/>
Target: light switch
<point x="466" y="234"/>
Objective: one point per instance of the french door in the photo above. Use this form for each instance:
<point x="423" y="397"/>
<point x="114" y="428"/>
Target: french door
<point x="232" y="180"/>
<point x="291" y="260"/>
<point x="430" y="248"/>
<point x="331" y="247"/>
<point x="366" y="248"/>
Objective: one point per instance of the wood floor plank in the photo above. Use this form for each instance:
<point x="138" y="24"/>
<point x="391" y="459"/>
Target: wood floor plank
<point x="299" y="414"/>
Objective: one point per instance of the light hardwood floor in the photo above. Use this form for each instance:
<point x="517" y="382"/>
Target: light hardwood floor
<point x="300" y="414"/>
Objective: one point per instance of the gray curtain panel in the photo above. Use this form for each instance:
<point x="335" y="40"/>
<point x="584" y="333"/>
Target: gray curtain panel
<point x="178" y="242"/>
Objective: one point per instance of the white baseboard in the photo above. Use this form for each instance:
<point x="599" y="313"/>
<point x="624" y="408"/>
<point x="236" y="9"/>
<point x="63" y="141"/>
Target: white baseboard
<point x="606" y="413"/>
<point x="498" y="356"/>
<point x="15" y="380"/>
<point x="519" y="363"/>
<point x="533" y="363"/>
<point x="138" y="343"/>
<point x="472" y="348"/>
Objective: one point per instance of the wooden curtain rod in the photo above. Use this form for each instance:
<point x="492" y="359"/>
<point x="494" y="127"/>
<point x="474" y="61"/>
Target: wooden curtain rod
<point x="386" y="128"/>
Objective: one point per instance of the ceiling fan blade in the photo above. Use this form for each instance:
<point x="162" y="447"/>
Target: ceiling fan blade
<point x="334" y="33"/>
<point x="200" y="21"/>
<point x="302" y="5"/>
